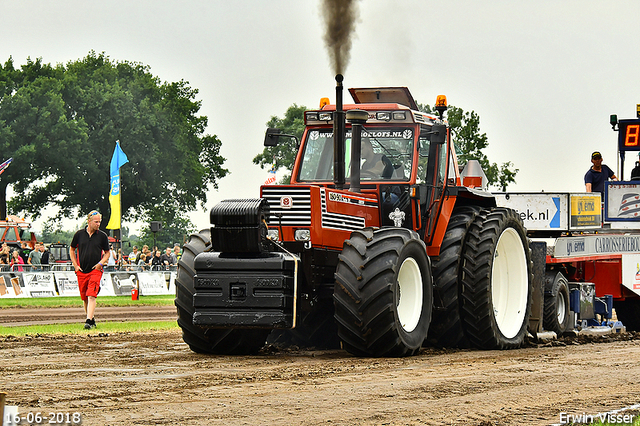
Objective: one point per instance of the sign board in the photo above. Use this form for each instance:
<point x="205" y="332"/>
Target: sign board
<point x="39" y="284"/>
<point x="555" y="211"/>
<point x="122" y="282"/>
<point x="152" y="283"/>
<point x="10" y="286"/>
<point x="586" y="211"/>
<point x="67" y="283"/>
<point x="590" y="245"/>
<point x="622" y="201"/>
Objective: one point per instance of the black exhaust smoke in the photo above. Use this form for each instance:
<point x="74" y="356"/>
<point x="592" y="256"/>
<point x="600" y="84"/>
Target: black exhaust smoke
<point x="340" y="18"/>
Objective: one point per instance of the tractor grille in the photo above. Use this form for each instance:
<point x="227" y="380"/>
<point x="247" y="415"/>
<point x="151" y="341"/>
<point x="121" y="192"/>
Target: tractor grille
<point x="288" y="206"/>
<point x="337" y="220"/>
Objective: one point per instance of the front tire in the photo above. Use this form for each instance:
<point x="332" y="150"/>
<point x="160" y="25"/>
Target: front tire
<point x="208" y="340"/>
<point x="496" y="282"/>
<point x="383" y="294"/>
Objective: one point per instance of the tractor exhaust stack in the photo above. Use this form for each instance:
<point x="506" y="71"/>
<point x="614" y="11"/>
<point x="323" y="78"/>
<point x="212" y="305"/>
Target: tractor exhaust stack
<point x="339" y="137"/>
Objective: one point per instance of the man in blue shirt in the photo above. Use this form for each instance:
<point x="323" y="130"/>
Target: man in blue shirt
<point x="598" y="174"/>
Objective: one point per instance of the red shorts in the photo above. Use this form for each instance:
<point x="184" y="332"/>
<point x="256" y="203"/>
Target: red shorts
<point x="89" y="283"/>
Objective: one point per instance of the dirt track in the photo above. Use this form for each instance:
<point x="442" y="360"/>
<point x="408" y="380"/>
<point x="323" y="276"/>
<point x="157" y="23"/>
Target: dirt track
<point x="153" y="378"/>
<point x="33" y="316"/>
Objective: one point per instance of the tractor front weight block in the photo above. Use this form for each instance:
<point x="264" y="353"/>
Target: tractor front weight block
<point x="251" y="291"/>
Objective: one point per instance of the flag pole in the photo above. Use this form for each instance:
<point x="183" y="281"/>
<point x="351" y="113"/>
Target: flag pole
<point x="119" y="234"/>
<point x="118" y="159"/>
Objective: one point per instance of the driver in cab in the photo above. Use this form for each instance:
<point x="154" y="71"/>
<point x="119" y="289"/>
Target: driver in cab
<point x="374" y="165"/>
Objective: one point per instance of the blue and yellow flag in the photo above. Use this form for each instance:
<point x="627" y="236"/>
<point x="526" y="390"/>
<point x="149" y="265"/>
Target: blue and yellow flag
<point x="118" y="160"/>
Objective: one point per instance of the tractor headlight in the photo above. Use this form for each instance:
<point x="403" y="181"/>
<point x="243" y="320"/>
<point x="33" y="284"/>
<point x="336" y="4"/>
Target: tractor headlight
<point x="383" y="116"/>
<point x="303" y="235"/>
<point x="273" y="234"/>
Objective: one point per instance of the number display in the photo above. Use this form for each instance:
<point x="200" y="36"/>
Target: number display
<point x="631" y="137"/>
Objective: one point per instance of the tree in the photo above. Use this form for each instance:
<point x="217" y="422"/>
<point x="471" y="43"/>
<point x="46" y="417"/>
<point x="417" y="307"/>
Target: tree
<point x="284" y="154"/>
<point x="35" y="131"/>
<point x="52" y="232"/>
<point x="469" y="143"/>
<point x="81" y="110"/>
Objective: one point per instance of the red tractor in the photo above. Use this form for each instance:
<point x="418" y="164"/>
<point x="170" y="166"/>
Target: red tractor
<point x="375" y="245"/>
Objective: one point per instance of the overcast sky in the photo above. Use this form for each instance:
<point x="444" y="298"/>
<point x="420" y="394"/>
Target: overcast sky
<point x="543" y="76"/>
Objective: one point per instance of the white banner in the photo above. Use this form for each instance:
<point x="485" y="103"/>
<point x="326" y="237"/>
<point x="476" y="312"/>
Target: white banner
<point x="122" y="282"/>
<point x="67" y="283"/>
<point x="39" y="284"/>
<point x="152" y="283"/>
<point x="589" y="245"/>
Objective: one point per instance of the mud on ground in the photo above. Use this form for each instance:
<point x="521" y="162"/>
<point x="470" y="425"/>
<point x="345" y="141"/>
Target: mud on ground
<point x="153" y="378"/>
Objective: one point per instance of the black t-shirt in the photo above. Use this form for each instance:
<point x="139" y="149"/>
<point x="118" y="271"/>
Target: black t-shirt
<point x="89" y="248"/>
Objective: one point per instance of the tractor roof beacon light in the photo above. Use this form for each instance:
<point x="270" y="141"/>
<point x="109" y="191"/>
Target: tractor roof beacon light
<point x="357" y="118"/>
<point x="441" y="105"/>
<point x="613" y="120"/>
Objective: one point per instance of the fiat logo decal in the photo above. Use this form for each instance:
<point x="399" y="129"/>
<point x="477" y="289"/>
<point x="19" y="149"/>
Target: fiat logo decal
<point x="286" y="202"/>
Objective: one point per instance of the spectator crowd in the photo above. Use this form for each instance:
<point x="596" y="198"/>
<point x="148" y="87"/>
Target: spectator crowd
<point x="36" y="259"/>
<point x="25" y="259"/>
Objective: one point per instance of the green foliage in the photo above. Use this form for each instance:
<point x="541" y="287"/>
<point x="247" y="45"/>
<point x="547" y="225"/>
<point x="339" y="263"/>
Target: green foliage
<point x="469" y="144"/>
<point x="176" y="228"/>
<point x="60" y="125"/>
<point x="52" y="233"/>
<point x="284" y="154"/>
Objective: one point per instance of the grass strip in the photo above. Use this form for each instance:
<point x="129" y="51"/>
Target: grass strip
<point x="72" y="301"/>
<point x="78" y="328"/>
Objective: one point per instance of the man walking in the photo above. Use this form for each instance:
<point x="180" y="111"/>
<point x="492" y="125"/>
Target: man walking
<point x="89" y="252"/>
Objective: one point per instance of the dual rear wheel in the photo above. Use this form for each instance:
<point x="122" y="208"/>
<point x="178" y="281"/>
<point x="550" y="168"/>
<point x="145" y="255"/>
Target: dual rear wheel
<point x="384" y="290"/>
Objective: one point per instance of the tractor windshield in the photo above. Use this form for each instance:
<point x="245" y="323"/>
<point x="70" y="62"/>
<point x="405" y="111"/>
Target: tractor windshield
<point x="386" y="154"/>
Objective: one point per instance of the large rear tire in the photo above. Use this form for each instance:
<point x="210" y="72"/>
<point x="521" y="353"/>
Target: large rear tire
<point x="557" y="312"/>
<point x="208" y="340"/>
<point x="497" y="280"/>
<point x="446" y="329"/>
<point x="383" y="294"/>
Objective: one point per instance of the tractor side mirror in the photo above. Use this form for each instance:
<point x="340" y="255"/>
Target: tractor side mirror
<point x="271" y="137"/>
<point x="438" y="134"/>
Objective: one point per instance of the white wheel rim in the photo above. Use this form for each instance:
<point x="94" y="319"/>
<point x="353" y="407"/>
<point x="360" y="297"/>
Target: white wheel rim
<point x="560" y="308"/>
<point x="509" y="283"/>
<point x="409" y="305"/>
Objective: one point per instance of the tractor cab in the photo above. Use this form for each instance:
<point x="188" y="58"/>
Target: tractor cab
<point x="393" y="155"/>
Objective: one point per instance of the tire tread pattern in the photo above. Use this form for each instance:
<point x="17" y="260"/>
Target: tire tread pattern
<point x="477" y="309"/>
<point x="446" y="329"/>
<point x="365" y="305"/>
